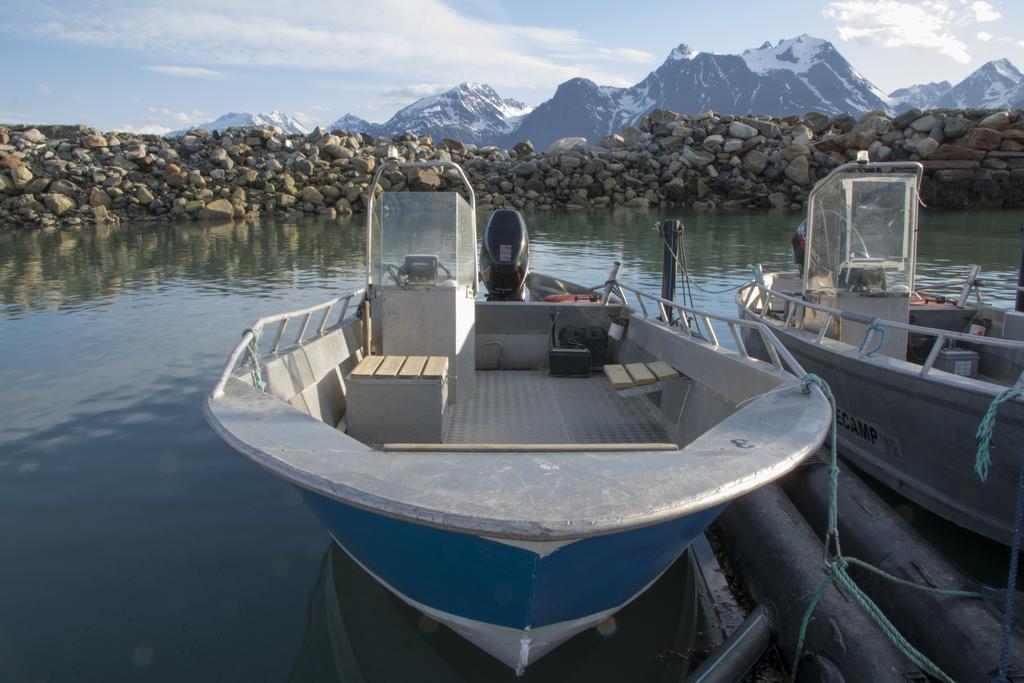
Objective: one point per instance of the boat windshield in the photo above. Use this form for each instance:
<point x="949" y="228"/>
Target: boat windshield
<point x="861" y="234"/>
<point x="422" y="239"/>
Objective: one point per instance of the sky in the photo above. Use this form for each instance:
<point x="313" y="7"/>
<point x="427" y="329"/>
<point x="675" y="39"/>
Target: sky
<point x="159" y="65"/>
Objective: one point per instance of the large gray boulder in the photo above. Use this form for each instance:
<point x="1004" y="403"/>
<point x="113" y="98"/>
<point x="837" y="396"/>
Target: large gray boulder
<point x="565" y="145"/>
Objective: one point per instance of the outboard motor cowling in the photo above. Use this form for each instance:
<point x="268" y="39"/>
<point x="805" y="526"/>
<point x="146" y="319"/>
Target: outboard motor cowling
<point x="505" y="256"/>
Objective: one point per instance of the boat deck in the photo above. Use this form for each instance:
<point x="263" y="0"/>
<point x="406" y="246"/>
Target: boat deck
<point x="528" y="406"/>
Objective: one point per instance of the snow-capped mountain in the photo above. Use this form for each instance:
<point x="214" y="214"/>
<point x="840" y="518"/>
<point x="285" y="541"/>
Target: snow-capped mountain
<point x="995" y="84"/>
<point x="471" y="112"/>
<point x="287" y="124"/>
<point x="795" y="76"/>
<point x="350" y="123"/>
<point x="922" y="95"/>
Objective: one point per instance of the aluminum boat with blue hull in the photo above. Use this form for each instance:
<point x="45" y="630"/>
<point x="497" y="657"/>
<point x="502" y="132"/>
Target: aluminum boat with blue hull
<point x="519" y="465"/>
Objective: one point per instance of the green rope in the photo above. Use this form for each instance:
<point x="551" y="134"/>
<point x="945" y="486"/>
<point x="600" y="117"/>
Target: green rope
<point x="982" y="461"/>
<point x="910" y="584"/>
<point x="254" y="361"/>
<point x="983" y="458"/>
<point x="873" y="327"/>
<point x="837" y="568"/>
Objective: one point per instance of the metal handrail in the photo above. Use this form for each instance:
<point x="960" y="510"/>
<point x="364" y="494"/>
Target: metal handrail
<point x="254" y="331"/>
<point x="778" y="354"/>
<point x="766" y="296"/>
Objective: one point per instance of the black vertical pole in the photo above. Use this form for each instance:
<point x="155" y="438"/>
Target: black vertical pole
<point x="671" y="230"/>
<point x="1018" y="304"/>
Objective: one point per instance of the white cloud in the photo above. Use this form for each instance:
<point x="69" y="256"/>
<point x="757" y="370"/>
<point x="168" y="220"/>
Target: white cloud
<point x="314" y="115"/>
<point x="188" y="71"/>
<point x="426" y="40"/>
<point x="144" y="129"/>
<point x="408" y="93"/>
<point x="921" y="24"/>
<point x="985" y="12"/>
<point x="626" y="54"/>
<point x="45" y="89"/>
<point x="161" y="120"/>
<point x="984" y="36"/>
<point x="1020" y="43"/>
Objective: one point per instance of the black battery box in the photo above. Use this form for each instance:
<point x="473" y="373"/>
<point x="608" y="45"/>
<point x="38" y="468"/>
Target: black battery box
<point x="570" y="361"/>
<point x="593" y="338"/>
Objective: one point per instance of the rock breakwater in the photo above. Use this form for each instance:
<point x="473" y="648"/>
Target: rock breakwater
<point x="65" y="176"/>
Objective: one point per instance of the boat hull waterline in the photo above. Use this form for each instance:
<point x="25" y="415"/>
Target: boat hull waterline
<point x="514" y="600"/>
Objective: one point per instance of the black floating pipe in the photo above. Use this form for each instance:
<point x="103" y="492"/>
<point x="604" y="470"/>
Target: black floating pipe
<point x="739" y="653"/>
<point x="778" y="558"/>
<point x="671" y="231"/>
<point x="961" y="635"/>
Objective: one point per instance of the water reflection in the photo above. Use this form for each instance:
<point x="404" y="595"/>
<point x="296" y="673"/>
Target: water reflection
<point x="62" y="269"/>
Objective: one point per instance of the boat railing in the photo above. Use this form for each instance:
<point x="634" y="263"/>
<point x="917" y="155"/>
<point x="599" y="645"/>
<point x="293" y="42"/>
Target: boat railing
<point x="253" y="333"/>
<point x="778" y="354"/>
<point x="760" y="303"/>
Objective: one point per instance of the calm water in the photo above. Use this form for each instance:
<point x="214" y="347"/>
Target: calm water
<point x="133" y="544"/>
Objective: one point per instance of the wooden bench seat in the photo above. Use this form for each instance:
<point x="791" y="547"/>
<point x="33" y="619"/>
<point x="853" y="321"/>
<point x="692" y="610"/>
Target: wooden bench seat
<point x="639" y="374"/>
<point x="401" y="367"/>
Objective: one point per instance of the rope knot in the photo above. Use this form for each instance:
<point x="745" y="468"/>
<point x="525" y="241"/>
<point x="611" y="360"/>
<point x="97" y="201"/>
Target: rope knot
<point x="873" y="326"/>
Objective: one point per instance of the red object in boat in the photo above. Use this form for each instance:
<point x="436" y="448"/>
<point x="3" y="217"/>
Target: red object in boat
<point x="917" y="299"/>
<point x="572" y="298"/>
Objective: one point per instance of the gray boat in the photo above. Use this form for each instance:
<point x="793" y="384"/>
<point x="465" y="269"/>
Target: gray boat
<point x="468" y="453"/>
<point x="913" y="367"/>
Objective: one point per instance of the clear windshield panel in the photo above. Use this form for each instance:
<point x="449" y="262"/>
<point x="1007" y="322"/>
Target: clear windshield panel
<point x="860" y="234"/>
<point x="425" y="239"/>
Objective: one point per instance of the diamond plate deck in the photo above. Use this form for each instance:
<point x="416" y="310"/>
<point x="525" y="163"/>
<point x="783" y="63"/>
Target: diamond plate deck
<point x="530" y="407"/>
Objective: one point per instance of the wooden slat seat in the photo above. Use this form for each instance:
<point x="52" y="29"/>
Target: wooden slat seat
<point x="412" y="367"/>
<point x="401" y="367"/>
<point x="436" y="367"/>
<point x="662" y="370"/>
<point x="390" y="366"/>
<point x="618" y="376"/>
<point x="367" y="366"/>
<point x="639" y="374"/>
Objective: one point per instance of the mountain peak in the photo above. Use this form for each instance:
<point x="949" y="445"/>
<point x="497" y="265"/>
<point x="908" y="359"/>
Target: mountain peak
<point x="995" y="84"/>
<point x="350" y="123"/>
<point x="469" y="111"/>
<point x="682" y="51"/>
<point x="244" y="119"/>
<point x="797" y="54"/>
<point x="1005" y="68"/>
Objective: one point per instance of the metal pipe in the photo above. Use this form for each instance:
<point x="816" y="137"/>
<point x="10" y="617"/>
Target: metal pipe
<point x="367" y="329"/>
<point x="259" y="325"/>
<point x="671" y="230"/>
<point x="218" y="389"/>
<point x="1018" y="302"/>
<point x="777" y="351"/>
<point x="323" y="322"/>
<point x="612" y="282"/>
<point x="972" y="279"/>
<point x="739" y="653"/>
<point x="916" y="329"/>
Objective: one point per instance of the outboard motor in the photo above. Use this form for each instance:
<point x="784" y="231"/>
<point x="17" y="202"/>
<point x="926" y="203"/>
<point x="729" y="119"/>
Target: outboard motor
<point x="505" y="256"/>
